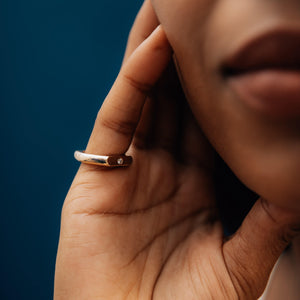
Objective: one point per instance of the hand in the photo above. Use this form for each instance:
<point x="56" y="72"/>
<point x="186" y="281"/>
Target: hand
<point x="150" y="231"/>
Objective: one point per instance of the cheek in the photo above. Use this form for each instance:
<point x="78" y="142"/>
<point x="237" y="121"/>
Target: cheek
<point x="183" y="20"/>
<point x="264" y="155"/>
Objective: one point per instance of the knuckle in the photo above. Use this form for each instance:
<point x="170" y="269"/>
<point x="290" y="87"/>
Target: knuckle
<point x="122" y="127"/>
<point x="289" y="225"/>
<point x="267" y="209"/>
<point x="142" y="87"/>
<point x="289" y="233"/>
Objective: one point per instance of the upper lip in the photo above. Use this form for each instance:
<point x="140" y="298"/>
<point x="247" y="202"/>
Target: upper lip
<point x="276" y="49"/>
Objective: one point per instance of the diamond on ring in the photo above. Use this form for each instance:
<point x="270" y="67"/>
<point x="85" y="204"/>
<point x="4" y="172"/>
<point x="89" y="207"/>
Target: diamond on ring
<point x="120" y="161"/>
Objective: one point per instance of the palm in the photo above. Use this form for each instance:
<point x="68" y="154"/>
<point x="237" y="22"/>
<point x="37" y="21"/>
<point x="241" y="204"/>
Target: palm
<point x="150" y="234"/>
<point x="137" y="219"/>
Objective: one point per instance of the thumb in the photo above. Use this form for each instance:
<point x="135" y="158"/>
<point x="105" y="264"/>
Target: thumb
<point x="254" y="249"/>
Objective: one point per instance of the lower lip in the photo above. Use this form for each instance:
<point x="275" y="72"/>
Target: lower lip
<point x="274" y="92"/>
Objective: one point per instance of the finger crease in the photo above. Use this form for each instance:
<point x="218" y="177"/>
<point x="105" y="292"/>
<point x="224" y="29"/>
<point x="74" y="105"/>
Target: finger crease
<point x="122" y="127"/>
<point x="141" y="87"/>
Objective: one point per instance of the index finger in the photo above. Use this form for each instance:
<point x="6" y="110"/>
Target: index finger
<point x="120" y="113"/>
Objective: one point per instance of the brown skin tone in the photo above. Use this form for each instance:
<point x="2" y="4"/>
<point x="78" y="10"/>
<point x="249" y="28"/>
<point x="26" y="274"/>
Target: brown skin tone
<point x="150" y="231"/>
<point x="263" y="151"/>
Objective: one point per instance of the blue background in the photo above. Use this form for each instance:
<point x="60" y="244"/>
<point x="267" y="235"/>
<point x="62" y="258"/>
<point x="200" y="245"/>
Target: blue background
<point x="58" y="60"/>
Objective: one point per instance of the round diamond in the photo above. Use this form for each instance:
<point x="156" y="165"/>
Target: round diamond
<point x="120" y="161"/>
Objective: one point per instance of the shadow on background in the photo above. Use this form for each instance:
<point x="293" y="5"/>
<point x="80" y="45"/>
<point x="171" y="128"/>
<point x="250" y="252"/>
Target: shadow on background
<point x="58" y="60"/>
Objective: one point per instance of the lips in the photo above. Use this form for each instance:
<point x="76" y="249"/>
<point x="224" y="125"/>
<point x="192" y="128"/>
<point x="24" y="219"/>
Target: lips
<point x="265" y="73"/>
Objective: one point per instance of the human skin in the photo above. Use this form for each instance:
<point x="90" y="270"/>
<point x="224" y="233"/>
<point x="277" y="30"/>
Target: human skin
<point x="151" y="231"/>
<point x="261" y="146"/>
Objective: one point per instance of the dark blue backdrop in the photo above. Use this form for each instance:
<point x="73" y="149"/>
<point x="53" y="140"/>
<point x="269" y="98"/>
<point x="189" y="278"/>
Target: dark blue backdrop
<point x="58" y="60"/>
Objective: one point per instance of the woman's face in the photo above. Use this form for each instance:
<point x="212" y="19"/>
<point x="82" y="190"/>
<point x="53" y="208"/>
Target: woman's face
<point x="239" y="63"/>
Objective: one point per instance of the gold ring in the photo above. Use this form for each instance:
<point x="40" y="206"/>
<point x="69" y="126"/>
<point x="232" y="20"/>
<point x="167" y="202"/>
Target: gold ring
<point x="119" y="160"/>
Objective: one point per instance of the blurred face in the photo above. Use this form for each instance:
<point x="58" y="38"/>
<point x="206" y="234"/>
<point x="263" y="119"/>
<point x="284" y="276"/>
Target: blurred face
<point x="239" y="63"/>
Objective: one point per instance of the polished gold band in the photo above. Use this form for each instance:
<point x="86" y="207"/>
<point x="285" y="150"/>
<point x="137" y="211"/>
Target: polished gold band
<point x="119" y="160"/>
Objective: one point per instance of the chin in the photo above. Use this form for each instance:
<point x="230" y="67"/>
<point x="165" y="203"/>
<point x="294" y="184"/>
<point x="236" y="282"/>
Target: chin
<point x="276" y="182"/>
